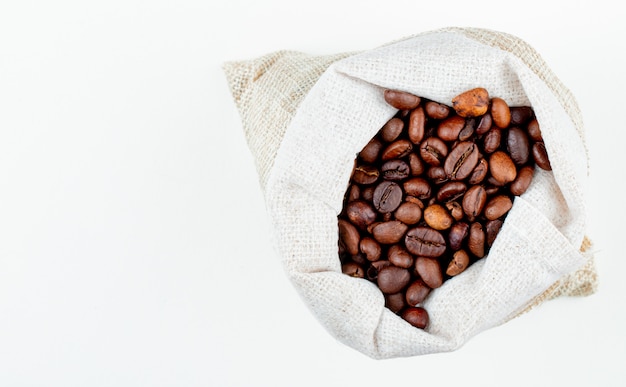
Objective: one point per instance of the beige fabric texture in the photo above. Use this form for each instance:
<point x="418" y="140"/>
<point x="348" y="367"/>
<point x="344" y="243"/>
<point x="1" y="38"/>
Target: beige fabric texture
<point x="306" y="117"/>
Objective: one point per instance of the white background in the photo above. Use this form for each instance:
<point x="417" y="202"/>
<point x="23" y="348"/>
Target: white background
<point x="134" y="243"/>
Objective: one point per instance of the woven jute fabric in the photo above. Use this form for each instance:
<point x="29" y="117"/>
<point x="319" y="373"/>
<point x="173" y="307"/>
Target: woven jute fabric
<point x="306" y="117"/>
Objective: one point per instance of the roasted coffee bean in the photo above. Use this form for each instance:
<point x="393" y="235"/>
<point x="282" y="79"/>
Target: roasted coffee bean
<point x="471" y="103"/>
<point x="387" y="197"/>
<point x="349" y="236"/>
<point x="468" y="130"/>
<point x="413" y="199"/>
<point x="392" y="129"/>
<point x="401" y="100"/>
<point x="458" y="232"/>
<point x="450" y="128"/>
<point x="372" y="150"/>
<point x="458" y="264"/>
<point x="502" y="167"/>
<point x="492" y="228"/>
<point x="416" y="165"/>
<point x="395" y="302"/>
<point x="392" y="279"/>
<point x="540" y="155"/>
<point x="365" y="174"/>
<point x="433" y="151"/>
<point x="425" y="241"/>
<point x="397" y="150"/>
<point x="399" y="256"/>
<point x="520" y="115"/>
<point x="500" y="112"/>
<point x="474" y="201"/>
<point x="461" y="161"/>
<point x="522" y="181"/>
<point x="418" y="317"/>
<point x="518" y="145"/>
<point x="429" y="271"/>
<point x="417" y="292"/>
<point x="418" y="187"/>
<point x="437" y="217"/>
<point x="437" y="175"/>
<point x="408" y="213"/>
<point x="353" y="270"/>
<point x="389" y="232"/>
<point x="479" y="173"/>
<point x="367" y="193"/>
<point x="484" y="124"/>
<point x="395" y="170"/>
<point x="417" y="122"/>
<point x="375" y="267"/>
<point x="534" y="131"/>
<point x="455" y="210"/>
<point x="451" y="191"/>
<point x="360" y="213"/>
<point x="477" y="238"/>
<point x="437" y="111"/>
<point x="492" y="140"/>
<point x="354" y="193"/>
<point x="370" y="248"/>
<point x="497" y="207"/>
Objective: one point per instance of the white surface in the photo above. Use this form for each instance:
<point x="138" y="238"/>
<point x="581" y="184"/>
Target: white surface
<point x="134" y="243"/>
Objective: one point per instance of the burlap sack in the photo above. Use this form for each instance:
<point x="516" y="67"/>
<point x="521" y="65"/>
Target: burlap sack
<point x="306" y="117"/>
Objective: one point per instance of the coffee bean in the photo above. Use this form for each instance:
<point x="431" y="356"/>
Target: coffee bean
<point x="417" y="121"/>
<point x="354" y="193"/>
<point x="395" y="302"/>
<point x="540" y="155"/>
<point x="468" y="130"/>
<point x="502" y="167"/>
<point x="458" y="232"/>
<point x="474" y="201"/>
<point x="353" y="270"/>
<point x="476" y="242"/>
<point x="418" y="317"/>
<point x="399" y="256"/>
<point x="520" y="115"/>
<point x="417" y="187"/>
<point x="471" y="103"/>
<point x="389" y="232"/>
<point x="492" y="228"/>
<point x="455" y="210"/>
<point x="460" y="261"/>
<point x="360" y="213"/>
<point x="522" y="181"/>
<point x="433" y="151"/>
<point x="534" y="131"/>
<point x="392" y="279"/>
<point x="370" y="248"/>
<point x="500" y="112"/>
<point x="451" y="191"/>
<point x="349" y="236"/>
<point x="437" y="111"/>
<point x="375" y="267"/>
<point x="416" y="165"/>
<point x="518" y="145"/>
<point x="401" y="100"/>
<point x="392" y="129"/>
<point x="367" y="193"/>
<point x="417" y="292"/>
<point x="484" y="124"/>
<point x="461" y="161"/>
<point x="387" y="197"/>
<point x="429" y="271"/>
<point x="497" y="207"/>
<point x="437" y="175"/>
<point x="491" y="140"/>
<point x="395" y="170"/>
<point x="365" y="174"/>
<point x="408" y="213"/>
<point x="425" y="241"/>
<point x="397" y="150"/>
<point x="437" y="217"/>
<point x="479" y="173"/>
<point x="450" y="128"/>
<point x="370" y="153"/>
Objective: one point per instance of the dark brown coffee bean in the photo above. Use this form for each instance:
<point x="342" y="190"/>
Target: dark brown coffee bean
<point x="397" y="150"/>
<point x="500" y="112"/>
<point x="492" y="140"/>
<point x="353" y="270"/>
<point x="468" y="130"/>
<point x="416" y="165"/>
<point x="458" y="232"/>
<point x="437" y="111"/>
<point x="455" y="210"/>
<point x="401" y="100"/>
<point x="438" y="217"/>
<point x="518" y="145"/>
<point x="522" y="181"/>
<point x="520" y="115"/>
<point x="425" y="241"/>
<point x="492" y="228"/>
<point x="387" y="197"/>
<point x="375" y="267"/>
<point x="417" y="122"/>
<point x="408" y="213"/>
<point x="354" y="193"/>
<point x="451" y="191"/>
<point x="471" y="103"/>
<point x="365" y="174"/>
<point x="534" y="131"/>
<point x="540" y="155"/>
<point x="437" y="175"/>
<point x="479" y="173"/>
<point x="418" y="317"/>
<point x="429" y="271"/>
<point x="392" y="129"/>
<point x="433" y="151"/>
<point x="389" y="232"/>
<point x="395" y="302"/>
<point x="474" y="201"/>
<point x="393" y="279"/>
<point x="360" y="213"/>
<point x="476" y="242"/>
<point x="372" y="150"/>
<point x="502" y="167"/>
<point x="449" y="129"/>
<point x="349" y="236"/>
<point x="461" y="161"/>
<point x="370" y="248"/>
<point x="395" y="170"/>
<point x="484" y="124"/>
<point x="417" y="292"/>
<point x="418" y="187"/>
<point x="367" y="193"/>
<point x="497" y="207"/>
<point x="399" y="256"/>
<point x="460" y="261"/>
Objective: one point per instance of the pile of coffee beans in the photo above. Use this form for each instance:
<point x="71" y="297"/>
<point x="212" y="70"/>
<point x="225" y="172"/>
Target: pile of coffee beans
<point x="429" y="193"/>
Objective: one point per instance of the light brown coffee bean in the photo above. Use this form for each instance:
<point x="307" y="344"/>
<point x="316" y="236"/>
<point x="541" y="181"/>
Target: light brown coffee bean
<point x="437" y="217"/>
<point x="389" y="232"/>
<point x="370" y="248"/>
<point x="449" y="129"/>
<point x="522" y="181"/>
<point x="417" y="121"/>
<point x="437" y="111"/>
<point x="471" y="103"/>
<point x="429" y="271"/>
<point x="408" y="213"/>
<point x="401" y="100"/>
<point x="460" y="261"/>
<point x="417" y="292"/>
<point x="500" y="112"/>
<point x="392" y="129"/>
<point x="474" y="201"/>
<point x="476" y="242"/>
<point x="502" y="167"/>
<point x="399" y="256"/>
<point x="497" y="207"/>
